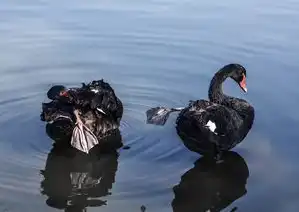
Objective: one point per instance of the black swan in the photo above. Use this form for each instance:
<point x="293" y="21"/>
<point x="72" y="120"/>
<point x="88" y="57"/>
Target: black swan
<point x="212" y="186"/>
<point x="82" y="116"/>
<point x="211" y="127"/>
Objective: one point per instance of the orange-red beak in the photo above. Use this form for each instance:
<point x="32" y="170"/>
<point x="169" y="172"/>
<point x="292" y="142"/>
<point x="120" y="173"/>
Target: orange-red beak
<point x="63" y="93"/>
<point x="243" y="84"/>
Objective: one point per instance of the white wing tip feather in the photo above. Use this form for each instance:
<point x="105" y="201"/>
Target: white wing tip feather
<point x="212" y="126"/>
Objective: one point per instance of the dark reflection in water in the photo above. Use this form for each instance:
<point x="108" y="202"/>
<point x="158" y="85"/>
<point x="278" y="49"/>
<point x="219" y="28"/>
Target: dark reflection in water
<point x="211" y="186"/>
<point x="73" y="181"/>
<point x="152" y="53"/>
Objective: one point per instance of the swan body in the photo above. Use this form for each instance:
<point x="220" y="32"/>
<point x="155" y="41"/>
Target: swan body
<point x="95" y="106"/>
<point x="207" y="127"/>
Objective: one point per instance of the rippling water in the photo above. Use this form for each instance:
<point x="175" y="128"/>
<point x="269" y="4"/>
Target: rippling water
<point x="153" y="53"/>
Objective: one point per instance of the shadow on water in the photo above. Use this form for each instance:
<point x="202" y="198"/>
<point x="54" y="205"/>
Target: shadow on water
<point x="74" y="181"/>
<point x="211" y="186"/>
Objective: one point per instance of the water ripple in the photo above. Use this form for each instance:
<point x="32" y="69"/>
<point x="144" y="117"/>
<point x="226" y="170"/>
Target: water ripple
<point x="152" y="58"/>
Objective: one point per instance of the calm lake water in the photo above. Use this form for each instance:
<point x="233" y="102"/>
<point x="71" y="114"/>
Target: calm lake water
<point x="153" y="53"/>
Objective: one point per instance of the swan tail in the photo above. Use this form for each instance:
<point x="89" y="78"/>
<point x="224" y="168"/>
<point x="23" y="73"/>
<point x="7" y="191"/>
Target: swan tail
<point x="159" y="115"/>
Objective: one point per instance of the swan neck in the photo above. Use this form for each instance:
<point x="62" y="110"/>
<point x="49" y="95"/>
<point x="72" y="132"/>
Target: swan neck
<point x="215" y="91"/>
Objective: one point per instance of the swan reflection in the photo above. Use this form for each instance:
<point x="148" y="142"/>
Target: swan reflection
<point x="211" y="186"/>
<point x="74" y="181"/>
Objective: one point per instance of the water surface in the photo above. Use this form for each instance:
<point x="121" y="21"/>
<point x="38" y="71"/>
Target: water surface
<point x="153" y="53"/>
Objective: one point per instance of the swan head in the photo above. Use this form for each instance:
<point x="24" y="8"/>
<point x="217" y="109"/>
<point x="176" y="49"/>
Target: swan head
<point x="238" y="74"/>
<point x="56" y="91"/>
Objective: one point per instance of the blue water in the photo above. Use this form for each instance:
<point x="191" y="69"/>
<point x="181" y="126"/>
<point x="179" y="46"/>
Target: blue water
<point x="152" y="53"/>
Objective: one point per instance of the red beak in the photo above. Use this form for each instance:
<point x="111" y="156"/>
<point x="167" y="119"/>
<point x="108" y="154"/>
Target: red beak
<point x="63" y="93"/>
<point x="243" y="84"/>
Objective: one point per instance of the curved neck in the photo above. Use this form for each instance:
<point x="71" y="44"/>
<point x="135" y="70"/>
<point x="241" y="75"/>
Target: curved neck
<point x="215" y="91"/>
<point x="216" y="95"/>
